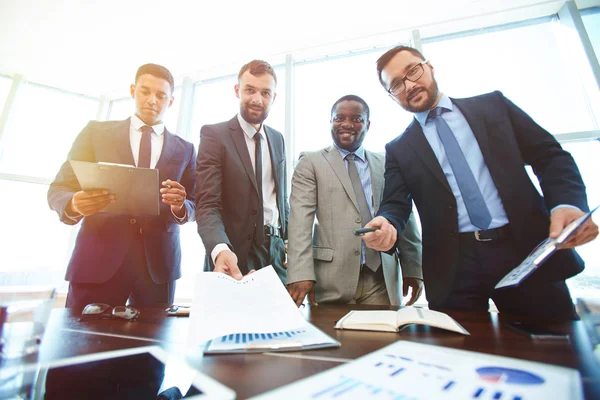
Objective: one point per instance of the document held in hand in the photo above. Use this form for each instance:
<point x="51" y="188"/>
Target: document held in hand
<point x="136" y="190"/>
<point x="541" y="253"/>
<point x="393" y="321"/>
<point x="254" y="314"/>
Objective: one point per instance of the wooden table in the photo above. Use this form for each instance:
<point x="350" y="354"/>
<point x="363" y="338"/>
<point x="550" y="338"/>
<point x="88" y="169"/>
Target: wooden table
<point x="252" y="374"/>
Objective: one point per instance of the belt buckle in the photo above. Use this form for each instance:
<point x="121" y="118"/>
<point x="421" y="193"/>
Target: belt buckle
<point x="479" y="239"/>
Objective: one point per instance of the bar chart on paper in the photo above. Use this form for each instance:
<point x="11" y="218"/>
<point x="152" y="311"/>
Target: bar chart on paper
<point x="407" y="370"/>
<point x="308" y="337"/>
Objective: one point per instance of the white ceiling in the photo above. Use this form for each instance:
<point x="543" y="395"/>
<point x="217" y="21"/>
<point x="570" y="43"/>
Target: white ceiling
<point x="94" y="46"/>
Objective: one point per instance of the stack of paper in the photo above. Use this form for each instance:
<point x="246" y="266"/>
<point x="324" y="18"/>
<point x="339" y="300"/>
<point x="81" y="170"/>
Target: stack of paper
<point x="408" y="370"/>
<point x="253" y="314"/>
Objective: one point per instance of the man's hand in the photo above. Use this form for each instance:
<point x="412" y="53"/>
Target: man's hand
<point x="563" y="216"/>
<point x="90" y="202"/>
<point x="173" y="194"/>
<point x="298" y="291"/>
<point x="382" y="239"/>
<point x="226" y="262"/>
<point x="417" y="288"/>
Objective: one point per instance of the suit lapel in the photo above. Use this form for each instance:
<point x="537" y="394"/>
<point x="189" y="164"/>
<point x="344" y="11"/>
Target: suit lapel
<point x="169" y="146"/>
<point x="419" y="143"/>
<point x="122" y="138"/>
<point x="237" y="135"/>
<point x="477" y="124"/>
<point x="376" y="179"/>
<point x="334" y="158"/>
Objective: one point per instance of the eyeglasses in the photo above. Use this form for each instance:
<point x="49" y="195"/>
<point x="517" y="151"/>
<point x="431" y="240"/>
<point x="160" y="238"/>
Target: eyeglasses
<point x="413" y="75"/>
<point x="104" y="311"/>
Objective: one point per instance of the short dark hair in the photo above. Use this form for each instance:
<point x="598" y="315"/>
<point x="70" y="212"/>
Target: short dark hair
<point x="158" y="71"/>
<point x="388" y="55"/>
<point x="351" y="97"/>
<point x="258" y="68"/>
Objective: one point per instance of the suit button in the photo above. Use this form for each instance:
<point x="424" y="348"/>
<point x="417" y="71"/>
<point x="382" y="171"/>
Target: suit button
<point x="249" y="237"/>
<point x="356" y="252"/>
<point x="254" y="212"/>
<point x="132" y="221"/>
<point x="450" y="207"/>
<point x="357" y="220"/>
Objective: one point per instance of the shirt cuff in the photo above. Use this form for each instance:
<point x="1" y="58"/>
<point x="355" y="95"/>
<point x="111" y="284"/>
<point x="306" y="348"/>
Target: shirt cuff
<point x="564" y="205"/>
<point x="180" y="219"/>
<point x="216" y="250"/>
<point x="73" y="215"/>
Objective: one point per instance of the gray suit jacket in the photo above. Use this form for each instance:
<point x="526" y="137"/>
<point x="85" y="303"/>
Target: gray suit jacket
<point x="326" y="250"/>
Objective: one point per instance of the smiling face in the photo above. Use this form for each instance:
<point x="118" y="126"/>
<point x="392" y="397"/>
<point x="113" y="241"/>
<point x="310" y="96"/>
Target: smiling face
<point x="418" y="96"/>
<point x="256" y="94"/>
<point x="152" y="97"/>
<point x="349" y="125"/>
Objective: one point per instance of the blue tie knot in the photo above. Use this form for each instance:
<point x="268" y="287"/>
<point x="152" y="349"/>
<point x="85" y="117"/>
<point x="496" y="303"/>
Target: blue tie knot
<point x="436" y="112"/>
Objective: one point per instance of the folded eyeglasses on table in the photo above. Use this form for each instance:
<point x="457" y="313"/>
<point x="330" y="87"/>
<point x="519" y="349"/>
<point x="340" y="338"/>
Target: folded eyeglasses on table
<point x="105" y="311"/>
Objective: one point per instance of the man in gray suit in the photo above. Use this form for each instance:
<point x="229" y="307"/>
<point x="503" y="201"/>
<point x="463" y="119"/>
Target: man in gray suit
<point x="342" y="186"/>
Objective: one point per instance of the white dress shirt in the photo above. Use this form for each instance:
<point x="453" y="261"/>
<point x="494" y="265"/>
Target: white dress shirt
<point x="157" y="139"/>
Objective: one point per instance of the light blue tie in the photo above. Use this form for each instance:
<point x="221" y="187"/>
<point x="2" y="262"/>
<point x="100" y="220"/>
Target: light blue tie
<point x="476" y="208"/>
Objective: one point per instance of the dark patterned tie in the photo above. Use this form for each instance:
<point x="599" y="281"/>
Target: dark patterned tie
<point x="145" y="147"/>
<point x="372" y="258"/>
<point x="259" y="233"/>
<point x="476" y="208"/>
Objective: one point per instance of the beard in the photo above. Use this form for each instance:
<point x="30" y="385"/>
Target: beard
<point x="253" y="116"/>
<point x="430" y="92"/>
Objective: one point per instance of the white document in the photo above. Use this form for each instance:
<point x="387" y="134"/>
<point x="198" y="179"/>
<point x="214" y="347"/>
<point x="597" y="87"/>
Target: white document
<point x="408" y="370"/>
<point x="259" y="303"/>
<point x="309" y="337"/>
<point x="541" y="254"/>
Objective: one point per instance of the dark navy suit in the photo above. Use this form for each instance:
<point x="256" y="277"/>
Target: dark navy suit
<point x="509" y="140"/>
<point x="104" y="240"/>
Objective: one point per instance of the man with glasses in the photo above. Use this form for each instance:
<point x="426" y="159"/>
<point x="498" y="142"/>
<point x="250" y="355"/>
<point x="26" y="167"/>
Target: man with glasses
<point x="241" y="192"/>
<point x="136" y="258"/>
<point x="462" y="161"/>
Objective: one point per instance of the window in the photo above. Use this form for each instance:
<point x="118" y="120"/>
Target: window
<point x="320" y="84"/>
<point x="585" y="153"/>
<point x="5" y="84"/>
<point x="36" y="245"/>
<point x="41" y="129"/>
<point x="525" y="63"/>
<point x="591" y="21"/>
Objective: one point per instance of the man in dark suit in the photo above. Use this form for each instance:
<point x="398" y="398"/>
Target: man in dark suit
<point x="463" y="161"/>
<point x="128" y="257"/>
<point x="241" y="195"/>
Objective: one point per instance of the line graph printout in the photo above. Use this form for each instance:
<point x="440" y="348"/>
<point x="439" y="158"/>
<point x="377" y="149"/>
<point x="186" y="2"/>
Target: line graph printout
<point x="411" y="371"/>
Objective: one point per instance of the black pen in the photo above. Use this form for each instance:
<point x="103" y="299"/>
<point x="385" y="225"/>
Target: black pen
<point x="362" y="231"/>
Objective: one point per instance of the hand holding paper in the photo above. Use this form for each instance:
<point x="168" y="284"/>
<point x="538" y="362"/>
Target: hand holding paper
<point x="562" y="217"/>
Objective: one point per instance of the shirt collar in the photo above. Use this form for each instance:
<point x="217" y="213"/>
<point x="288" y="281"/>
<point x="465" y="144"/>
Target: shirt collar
<point x="359" y="153"/>
<point x="249" y="129"/>
<point x="444" y="102"/>
<point x="137" y="124"/>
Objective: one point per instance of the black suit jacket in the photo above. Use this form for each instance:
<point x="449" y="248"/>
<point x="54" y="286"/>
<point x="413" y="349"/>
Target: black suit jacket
<point x="103" y="240"/>
<point x="509" y="139"/>
<point x="227" y="199"/>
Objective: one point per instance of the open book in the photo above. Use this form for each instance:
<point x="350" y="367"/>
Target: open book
<point x="393" y="321"/>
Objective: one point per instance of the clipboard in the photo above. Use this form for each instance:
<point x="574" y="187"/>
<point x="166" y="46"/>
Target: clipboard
<point x="541" y="253"/>
<point x="136" y="189"/>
